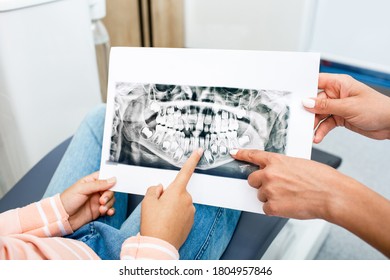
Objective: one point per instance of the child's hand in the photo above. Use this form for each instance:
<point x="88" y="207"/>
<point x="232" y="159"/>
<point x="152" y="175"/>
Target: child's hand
<point x="88" y="199"/>
<point x="169" y="214"/>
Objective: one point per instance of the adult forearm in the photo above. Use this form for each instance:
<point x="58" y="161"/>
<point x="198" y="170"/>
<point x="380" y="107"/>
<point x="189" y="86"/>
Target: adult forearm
<point x="364" y="213"/>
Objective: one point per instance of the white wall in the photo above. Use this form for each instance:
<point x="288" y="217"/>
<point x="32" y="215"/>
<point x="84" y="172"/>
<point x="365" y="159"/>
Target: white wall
<point x="350" y="31"/>
<point x="248" y="24"/>
<point x="354" y="31"/>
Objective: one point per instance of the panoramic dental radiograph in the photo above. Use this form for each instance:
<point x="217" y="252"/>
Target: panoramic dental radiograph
<point x="157" y="125"/>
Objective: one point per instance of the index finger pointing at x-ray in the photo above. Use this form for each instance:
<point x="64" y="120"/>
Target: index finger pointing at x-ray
<point x="185" y="173"/>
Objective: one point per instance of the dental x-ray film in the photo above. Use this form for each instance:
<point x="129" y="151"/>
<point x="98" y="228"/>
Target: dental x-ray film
<point x="157" y="125"/>
<point x="164" y="103"/>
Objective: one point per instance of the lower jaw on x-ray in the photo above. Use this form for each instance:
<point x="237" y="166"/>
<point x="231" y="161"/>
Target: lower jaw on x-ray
<point x="160" y="125"/>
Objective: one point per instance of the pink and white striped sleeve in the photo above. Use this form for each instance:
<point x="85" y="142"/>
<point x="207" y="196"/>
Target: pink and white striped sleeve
<point x="148" y="248"/>
<point x="45" y="218"/>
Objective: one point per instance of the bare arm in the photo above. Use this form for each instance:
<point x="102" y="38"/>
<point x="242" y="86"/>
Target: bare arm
<point x="364" y="213"/>
<point x="304" y="189"/>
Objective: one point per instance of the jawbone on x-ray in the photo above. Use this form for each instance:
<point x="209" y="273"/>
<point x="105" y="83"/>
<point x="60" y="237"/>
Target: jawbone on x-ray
<point x="158" y="125"/>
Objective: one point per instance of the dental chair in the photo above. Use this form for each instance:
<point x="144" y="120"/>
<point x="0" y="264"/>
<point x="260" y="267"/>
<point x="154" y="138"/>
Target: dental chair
<point x="251" y="239"/>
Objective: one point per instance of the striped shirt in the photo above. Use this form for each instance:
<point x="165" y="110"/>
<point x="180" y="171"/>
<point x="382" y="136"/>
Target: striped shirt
<point x="34" y="232"/>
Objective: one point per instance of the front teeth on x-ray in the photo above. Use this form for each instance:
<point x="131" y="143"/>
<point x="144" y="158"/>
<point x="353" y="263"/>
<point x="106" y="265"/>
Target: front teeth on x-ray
<point x="178" y="129"/>
<point x="172" y="121"/>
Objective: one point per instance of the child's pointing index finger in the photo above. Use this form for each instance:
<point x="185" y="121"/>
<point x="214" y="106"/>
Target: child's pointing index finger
<point x="185" y="173"/>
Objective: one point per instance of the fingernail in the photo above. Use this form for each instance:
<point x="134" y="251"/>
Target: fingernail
<point x="233" y="152"/>
<point x="158" y="191"/>
<point x="105" y="199"/>
<point x="309" y="103"/>
<point x="111" y="180"/>
<point x="200" y="151"/>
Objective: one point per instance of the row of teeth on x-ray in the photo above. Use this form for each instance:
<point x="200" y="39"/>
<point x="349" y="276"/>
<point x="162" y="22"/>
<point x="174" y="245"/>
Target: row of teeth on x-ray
<point x="178" y="131"/>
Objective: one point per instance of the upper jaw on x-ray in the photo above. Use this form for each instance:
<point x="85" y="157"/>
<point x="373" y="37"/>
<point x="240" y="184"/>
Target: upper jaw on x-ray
<point x="160" y="125"/>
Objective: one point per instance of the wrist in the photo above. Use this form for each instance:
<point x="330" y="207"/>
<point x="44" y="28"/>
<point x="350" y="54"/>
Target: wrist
<point x="64" y="202"/>
<point x="384" y="113"/>
<point x="72" y="221"/>
<point x="346" y="201"/>
<point x="64" y="215"/>
<point x="336" y="201"/>
<point x="161" y="236"/>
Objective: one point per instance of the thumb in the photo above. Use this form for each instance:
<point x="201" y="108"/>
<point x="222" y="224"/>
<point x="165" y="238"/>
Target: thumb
<point x="325" y="106"/>
<point x="96" y="186"/>
<point x="154" y="192"/>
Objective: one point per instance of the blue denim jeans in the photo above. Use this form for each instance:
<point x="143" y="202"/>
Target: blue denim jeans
<point x="213" y="226"/>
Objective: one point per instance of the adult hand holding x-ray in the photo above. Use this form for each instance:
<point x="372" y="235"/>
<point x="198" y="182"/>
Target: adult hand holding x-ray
<point x="168" y="213"/>
<point x="351" y="104"/>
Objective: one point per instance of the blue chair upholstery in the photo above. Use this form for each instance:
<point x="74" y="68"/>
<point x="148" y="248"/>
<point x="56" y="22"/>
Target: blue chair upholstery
<point x="253" y="235"/>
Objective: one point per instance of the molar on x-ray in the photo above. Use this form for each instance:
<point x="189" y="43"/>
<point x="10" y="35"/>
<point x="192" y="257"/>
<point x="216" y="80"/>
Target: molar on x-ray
<point x="157" y="125"/>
